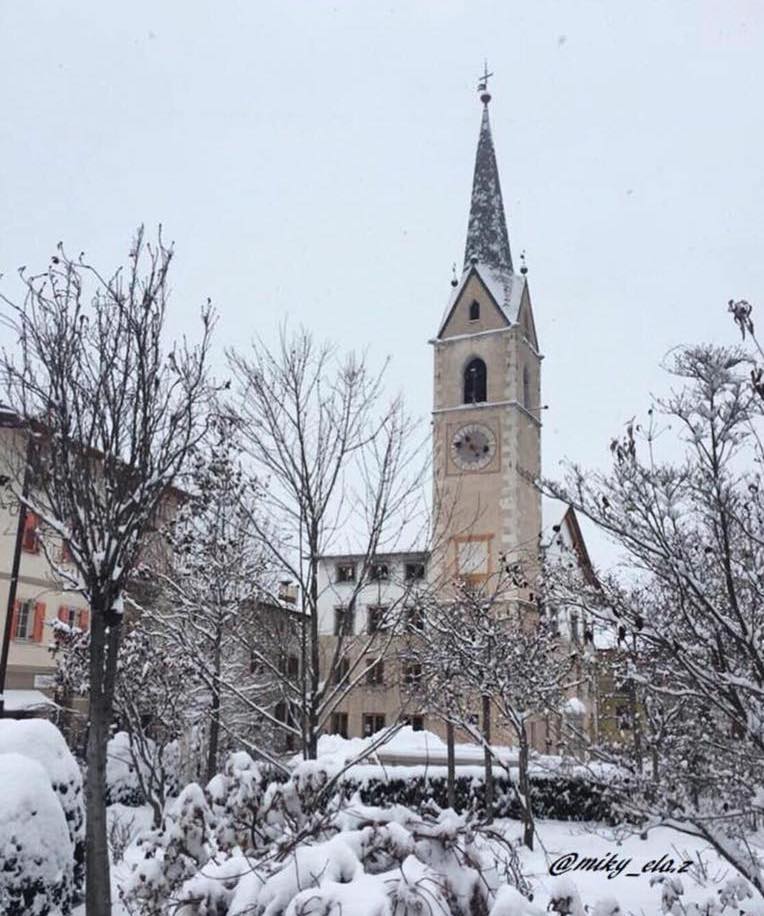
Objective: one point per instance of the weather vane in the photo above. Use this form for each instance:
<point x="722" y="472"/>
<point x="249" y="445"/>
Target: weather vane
<point x="485" y="95"/>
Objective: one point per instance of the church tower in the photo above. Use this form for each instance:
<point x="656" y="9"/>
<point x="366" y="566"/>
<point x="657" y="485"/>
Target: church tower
<point x="487" y="397"/>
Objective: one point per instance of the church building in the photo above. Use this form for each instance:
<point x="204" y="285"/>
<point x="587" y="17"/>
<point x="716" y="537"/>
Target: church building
<point x="486" y="457"/>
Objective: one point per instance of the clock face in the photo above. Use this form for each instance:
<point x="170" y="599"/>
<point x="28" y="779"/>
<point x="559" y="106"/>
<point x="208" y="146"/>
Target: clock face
<point x="473" y="446"/>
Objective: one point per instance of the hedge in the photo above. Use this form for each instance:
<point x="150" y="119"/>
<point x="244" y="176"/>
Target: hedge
<point x="553" y="796"/>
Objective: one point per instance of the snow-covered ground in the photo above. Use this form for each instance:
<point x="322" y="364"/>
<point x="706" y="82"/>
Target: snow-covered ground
<point x="631" y="887"/>
<point x="634" y="857"/>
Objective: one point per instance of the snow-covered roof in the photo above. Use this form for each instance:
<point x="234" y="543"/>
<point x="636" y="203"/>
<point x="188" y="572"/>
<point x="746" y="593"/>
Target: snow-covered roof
<point x="22" y="700"/>
<point x="505" y="287"/>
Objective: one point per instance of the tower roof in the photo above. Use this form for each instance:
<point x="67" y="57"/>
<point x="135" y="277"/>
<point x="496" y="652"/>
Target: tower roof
<point x="487" y="237"/>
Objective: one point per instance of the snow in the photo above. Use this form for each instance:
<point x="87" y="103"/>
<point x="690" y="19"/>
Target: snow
<point x="35" y="849"/>
<point x="574" y="707"/>
<point x="406" y="747"/>
<point x="20" y="700"/>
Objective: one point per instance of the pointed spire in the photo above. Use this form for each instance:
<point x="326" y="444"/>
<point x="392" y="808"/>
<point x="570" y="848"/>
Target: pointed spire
<point x="487" y="238"/>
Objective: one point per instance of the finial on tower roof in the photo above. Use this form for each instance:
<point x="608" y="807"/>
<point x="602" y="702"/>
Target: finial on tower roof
<point x="454" y="278"/>
<point x="485" y="95"/>
<point x="523" y="265"/>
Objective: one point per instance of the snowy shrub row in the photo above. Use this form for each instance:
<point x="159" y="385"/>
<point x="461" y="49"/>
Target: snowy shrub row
<point x="42" y="820"/>
<point x="555" y="796"/>
<point x="250" y="845"/>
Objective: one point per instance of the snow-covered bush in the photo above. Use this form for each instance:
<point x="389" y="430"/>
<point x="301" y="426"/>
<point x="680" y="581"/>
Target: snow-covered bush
<point x="172" y="853"/>
<point x="292" y="847"/>
<point x="37" y="875"/>
<point x="40" y="740"/>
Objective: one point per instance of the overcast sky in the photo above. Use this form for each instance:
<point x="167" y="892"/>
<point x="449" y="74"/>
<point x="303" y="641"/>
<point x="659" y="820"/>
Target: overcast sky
<point x="313" y="160"/>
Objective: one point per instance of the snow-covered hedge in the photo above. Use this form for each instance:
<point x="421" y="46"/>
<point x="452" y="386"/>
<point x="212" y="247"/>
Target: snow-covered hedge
<point x="556" y="796"/>
<point x="40" y="741"/>
<point x="37" y="873"/>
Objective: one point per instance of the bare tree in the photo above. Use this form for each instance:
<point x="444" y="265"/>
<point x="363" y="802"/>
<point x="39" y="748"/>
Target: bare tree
<point x="682" y="501"/>
<point x="485" y="649"/>
<point x="335" y="461"/>
<point x="211" y="592"/>
<point x="112" y="418"/>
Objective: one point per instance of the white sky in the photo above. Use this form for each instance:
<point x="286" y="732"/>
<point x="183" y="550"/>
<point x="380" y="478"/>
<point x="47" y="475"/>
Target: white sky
<point x="314" y="160"/>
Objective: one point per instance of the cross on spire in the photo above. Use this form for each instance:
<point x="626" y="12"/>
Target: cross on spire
<point x="485" y="95"/>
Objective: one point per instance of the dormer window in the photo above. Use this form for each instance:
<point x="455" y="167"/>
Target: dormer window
<point x="474" y="310"/>
<point x="475" y="382"/>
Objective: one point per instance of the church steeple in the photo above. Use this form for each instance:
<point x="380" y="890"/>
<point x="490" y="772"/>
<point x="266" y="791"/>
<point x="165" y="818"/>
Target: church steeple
<point x="487" y="238"/>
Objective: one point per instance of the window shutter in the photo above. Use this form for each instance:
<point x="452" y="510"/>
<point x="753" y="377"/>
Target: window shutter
<point x="39" y="621"/>
<point x="15" y="618"/>
<point x="83" y="619"/>
<point x="30" y="541"/>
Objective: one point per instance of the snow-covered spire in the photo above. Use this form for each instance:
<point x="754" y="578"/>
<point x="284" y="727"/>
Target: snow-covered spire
<point x="487" y="238"/>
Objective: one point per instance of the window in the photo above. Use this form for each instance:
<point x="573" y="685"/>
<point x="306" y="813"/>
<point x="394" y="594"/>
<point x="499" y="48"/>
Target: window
<point x="344" y="572"/>
<point x="412" y="673"/>
<point x="28" y="620"/>
<point x="376" y="618"/>
<point x="416" y="722"/>
<point x="379" y="572"/>
<point x="375" y="673"/>
<point x="623" y="718"/>
<point x="415" y="618"/>
<point x="66" y="553"/>
<point x="475" y="382"/>
<point x="474" y="310"/>
<point x="68" y="615"/>
<point x="574" y="635"/>
<point x="283" y="714"/>
<point x="24" y="620"/>
<point x="414" y="572"/>
<point x="30" y="540"/>
<point x="344" y="621"/>
<point x="341" y="672"/>
<point x="289" y="665"/>
<point x="373" y="722"/>
<point x="526" y="388"/>
<point x="340" y="724"/>
<point x="74" y="616"/>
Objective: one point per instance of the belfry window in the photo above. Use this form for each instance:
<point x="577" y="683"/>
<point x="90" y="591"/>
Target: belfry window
<point x="526" y="388"/>
<point x="475" y="378"/>
<point x="474" y="310"/>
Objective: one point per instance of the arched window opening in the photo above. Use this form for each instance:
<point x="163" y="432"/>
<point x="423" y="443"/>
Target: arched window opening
<point x="474" y="310"/>
<point x="475" y="382"/>
<point x="526" y="388"/>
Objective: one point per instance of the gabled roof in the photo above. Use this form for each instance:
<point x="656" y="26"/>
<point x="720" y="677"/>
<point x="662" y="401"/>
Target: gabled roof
<point x="505" y="288"/>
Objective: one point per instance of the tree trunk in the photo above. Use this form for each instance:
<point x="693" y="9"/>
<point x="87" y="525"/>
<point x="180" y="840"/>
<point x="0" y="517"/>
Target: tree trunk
<point x="525" y="789"/>
<point x="104" y="642"/>
<point x="312" y="742"/>
<point x="488" y="759"/>
<point x="451" y="777"/>
<point x="214" y="737"/>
